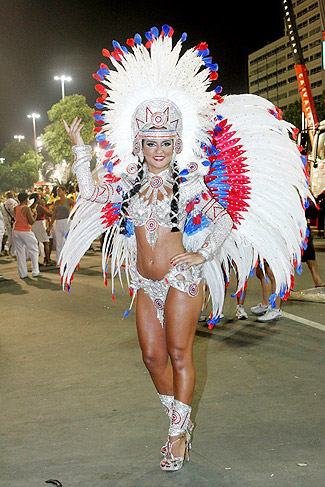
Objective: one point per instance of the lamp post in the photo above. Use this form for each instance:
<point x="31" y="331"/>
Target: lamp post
<point x="34" y="116"/>
<point x="19" y="137"/>
<point x="62" y="78"/>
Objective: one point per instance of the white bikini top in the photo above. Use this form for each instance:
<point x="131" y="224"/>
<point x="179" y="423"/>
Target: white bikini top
<point x="145" y="209"/>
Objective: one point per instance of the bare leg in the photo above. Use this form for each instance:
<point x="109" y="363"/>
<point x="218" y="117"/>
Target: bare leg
<point x="152" y="339"/>
<point x="47" y="252"/>
<point x="265" y="287"/>
<point x="312" y="265"/>
<point x="181" y="317"/>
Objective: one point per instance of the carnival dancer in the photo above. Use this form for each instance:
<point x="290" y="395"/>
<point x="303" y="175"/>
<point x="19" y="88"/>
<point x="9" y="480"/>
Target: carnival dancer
<point x="178" y="198"/>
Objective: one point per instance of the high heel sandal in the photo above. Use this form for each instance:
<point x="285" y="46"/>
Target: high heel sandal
<point x="172" y="464"/>
<point x="189" y="429"/>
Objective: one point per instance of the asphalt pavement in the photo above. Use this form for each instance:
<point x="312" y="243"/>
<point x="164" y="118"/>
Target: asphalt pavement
<point x="78" y="406"/>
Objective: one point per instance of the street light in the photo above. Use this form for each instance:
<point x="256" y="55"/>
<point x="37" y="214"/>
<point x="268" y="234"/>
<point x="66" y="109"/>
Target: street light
<point x="62" y="78"/>
<point x="34" y="116"/>
<point x="19" y="137"/>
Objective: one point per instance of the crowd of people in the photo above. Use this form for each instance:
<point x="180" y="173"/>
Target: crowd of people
<point x="34" y="223"/>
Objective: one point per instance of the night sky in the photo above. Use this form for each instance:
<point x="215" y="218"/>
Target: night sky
<point x="40" y="39"/>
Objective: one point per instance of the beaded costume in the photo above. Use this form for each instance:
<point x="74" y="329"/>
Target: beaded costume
<point x="239" y="183"/>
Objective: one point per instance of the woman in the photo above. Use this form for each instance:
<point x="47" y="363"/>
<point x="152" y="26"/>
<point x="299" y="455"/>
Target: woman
<point x="23" y="236"/>
<point x="60" y="220"/>
<point x="39" y="227"/>
<point x="155" y="262"/>
<point x="170" y="155"/>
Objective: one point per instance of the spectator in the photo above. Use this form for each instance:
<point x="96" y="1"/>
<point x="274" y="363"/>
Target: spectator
<point x="2" y="230"/>
<point x="8" y="212"/>
<point x="309" y="256"/>
<point x="39" y="227"/>
<point x="23" y="236"/>
<point x="59" y="220"/>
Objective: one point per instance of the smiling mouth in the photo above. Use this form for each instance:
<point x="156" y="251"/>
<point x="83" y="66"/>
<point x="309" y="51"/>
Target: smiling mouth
<point x="159" y="158"/>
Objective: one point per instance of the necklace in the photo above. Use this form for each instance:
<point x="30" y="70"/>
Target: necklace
<point x="154" y="184"/>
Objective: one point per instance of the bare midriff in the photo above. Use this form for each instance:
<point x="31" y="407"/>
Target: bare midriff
<point x="155" y="264"/>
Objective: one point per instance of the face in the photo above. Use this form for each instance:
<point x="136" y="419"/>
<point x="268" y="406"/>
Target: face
<point x="157" y="154"/>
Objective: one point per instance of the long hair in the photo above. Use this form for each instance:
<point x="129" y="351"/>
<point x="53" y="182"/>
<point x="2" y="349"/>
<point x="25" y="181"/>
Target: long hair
<point x="127" y="196"/>
<point x="175" y="198"/>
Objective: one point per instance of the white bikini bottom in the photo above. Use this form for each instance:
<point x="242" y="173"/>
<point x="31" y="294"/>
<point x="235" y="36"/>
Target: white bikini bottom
<point x="187" y="281"/>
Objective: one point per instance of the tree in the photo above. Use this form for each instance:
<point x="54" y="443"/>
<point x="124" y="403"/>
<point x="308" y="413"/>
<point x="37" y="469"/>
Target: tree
<point x="14" y="150"/>
<point x="293" y="113"/>
<point x="21" y="174"/>
<point x="55" y="138"/>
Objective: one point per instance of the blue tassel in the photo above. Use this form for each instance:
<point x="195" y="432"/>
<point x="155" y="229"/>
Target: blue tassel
<point x="154" y="31"/>
<point x="138" y="39"/>
<point x="116" y="45"/>
<point x="148" y="36"/>
<point x="184" y="37"/>
<point x="272" y="298"/>
<point x="166" y="29"/>
<point x="127" y="312"/>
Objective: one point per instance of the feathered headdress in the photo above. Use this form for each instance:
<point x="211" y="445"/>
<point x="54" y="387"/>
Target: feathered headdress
<point x="153" y="85"/>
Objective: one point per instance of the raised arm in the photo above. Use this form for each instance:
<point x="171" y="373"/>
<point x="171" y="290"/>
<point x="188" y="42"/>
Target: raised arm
<point x="81" y="167"/>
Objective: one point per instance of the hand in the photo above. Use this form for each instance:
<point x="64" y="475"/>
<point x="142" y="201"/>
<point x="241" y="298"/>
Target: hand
<point x="188" y="258"/>
<point x="74" y="131"/>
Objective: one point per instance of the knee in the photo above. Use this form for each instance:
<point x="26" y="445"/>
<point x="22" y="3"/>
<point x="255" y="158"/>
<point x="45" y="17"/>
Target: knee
<point x="180" y="357"/>
<point x="153" y="361"/>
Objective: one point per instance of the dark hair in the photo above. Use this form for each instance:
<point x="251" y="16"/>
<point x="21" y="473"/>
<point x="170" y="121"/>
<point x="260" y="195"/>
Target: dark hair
<point x="175" y="199"/>
<point x="127" y="196"/>
<point x="22" y="197"/>
<point x="34" y="196"/>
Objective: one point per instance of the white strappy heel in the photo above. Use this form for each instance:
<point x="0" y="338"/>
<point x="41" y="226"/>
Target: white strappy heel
<point x="170" y="463"/>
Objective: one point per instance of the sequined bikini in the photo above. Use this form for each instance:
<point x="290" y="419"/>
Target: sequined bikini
<point x="151" y="215"/>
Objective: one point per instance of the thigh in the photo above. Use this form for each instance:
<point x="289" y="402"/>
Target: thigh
<point x="152" y="336"/>
<point x="18" y="239"/>
<point x="182" y="313"/>
<point x="31" y="241"/>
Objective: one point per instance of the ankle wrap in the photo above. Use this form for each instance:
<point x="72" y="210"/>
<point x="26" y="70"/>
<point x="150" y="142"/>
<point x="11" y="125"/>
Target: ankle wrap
<point x="180" y="418"/>
<point x="167" y="402"/>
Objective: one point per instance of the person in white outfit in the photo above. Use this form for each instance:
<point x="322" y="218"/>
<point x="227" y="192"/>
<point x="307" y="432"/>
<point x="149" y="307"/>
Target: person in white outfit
<point x="8" y="213"/>
<point x="60" y="221"/>
<point x="2" y="229"/>
<point x="24" y="238"/>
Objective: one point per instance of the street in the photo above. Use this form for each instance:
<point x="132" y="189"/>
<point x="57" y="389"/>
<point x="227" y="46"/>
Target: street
<point x="78" y="405"/>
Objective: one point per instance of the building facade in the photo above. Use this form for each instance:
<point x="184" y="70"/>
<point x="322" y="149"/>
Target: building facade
<point x="271" y="72"/>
